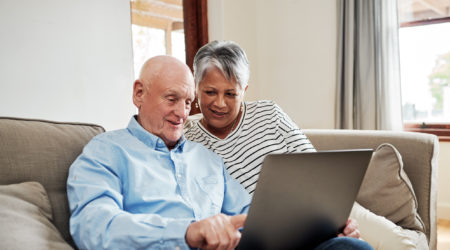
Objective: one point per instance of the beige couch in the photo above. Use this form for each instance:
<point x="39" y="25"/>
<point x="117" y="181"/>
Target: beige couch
<point x="42" y="151"/>
<point x="419" y="153"/>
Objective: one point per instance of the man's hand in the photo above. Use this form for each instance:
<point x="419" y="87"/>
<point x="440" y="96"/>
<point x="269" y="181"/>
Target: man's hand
<point x="216" y="232"/>
<point x="351" y="229"/>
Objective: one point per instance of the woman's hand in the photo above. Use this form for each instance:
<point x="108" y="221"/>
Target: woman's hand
<point x="351" y="229"/>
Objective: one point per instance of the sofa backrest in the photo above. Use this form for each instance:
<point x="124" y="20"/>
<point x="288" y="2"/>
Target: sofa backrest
<point x="42" y="151"/>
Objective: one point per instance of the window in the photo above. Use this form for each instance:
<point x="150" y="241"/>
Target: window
<point x="157" y="29"/>
<point x="171" y="27"/>
<point x="424" y="37"/>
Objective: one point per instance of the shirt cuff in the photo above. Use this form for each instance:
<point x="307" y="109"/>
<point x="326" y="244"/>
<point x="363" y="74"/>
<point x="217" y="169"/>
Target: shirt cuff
<point x="175" y="232"/>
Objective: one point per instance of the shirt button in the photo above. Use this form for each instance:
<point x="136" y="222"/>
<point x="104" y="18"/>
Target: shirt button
<point x="177" y="248"/>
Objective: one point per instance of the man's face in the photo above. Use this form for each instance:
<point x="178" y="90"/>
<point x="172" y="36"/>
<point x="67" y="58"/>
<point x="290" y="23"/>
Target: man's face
<point x="164" y="104"/>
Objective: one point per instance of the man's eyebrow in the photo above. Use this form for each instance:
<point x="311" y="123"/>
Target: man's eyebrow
<point x="171" y="92"/>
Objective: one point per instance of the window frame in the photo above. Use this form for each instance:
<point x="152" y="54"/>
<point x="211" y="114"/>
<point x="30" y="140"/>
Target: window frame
<point x="441" y="130"/>
<point x="195" y="33"/>
<point x="425" y="22"/>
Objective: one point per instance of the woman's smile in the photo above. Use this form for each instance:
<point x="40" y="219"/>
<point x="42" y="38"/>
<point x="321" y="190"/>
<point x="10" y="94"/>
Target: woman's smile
<point x="218" y="114"/>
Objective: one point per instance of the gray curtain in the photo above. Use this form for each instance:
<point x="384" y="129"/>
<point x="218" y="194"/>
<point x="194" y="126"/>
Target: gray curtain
<point x="368" y="84"/>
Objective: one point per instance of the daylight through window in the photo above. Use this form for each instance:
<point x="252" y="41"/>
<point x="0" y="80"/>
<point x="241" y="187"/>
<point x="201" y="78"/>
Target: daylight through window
<point x="157" y="29"/>
<point x="425" y="60"/>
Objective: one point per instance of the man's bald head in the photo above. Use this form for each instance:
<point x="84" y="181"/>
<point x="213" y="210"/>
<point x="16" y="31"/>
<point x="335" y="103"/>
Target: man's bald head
<point x="158" y="66"/>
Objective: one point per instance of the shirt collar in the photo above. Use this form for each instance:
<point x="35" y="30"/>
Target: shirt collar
<point x="150" y="139"/>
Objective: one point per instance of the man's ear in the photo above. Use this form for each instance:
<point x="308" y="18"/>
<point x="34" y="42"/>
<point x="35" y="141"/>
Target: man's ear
<point x="138" y="93"/>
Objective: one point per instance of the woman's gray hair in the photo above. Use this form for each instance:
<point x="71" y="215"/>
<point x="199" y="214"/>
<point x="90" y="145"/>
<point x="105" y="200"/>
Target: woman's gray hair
<point x="227" y="56"/>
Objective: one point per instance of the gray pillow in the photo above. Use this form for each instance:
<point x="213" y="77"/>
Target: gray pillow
<point x="25" y="218"/>
<point x="387" y="191"/>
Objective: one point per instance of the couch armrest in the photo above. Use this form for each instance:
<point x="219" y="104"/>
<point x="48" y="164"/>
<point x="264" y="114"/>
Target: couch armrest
<point x="42" y="151"/>
<point x="419" y="153"/>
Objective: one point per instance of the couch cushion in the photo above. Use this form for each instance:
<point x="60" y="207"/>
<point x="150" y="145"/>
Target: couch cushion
<point x="25" y="218"/>
<point x="387" y="191"/>
<point x="383" y="234"/>
<point x="42" y="151"/>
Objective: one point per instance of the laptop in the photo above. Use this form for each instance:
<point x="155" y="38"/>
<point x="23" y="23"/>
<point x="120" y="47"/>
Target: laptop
<point x="303" y="199"/>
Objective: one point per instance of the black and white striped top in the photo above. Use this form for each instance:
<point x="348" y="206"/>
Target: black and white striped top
<point x="264" y="128"/>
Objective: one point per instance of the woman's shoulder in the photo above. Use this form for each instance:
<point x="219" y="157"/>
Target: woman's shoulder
<point x="191" y="120"/>
<point x="261" y="104"/>
<point x="190" y="129"/>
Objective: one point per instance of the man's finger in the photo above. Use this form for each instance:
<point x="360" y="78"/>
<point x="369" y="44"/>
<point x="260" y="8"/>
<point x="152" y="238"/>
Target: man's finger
<point x="238" y="220"/>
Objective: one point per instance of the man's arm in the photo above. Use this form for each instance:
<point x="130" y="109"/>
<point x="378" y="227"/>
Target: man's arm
<point x="222" y="231"/>
<point x="236" y="199"/>
<point x="98" y="219"/>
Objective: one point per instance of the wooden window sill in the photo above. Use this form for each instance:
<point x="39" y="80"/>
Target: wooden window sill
<point x="442" y="131"/>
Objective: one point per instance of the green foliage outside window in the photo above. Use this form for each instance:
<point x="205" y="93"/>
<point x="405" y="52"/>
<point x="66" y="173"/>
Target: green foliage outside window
<point x="439" y="79"/>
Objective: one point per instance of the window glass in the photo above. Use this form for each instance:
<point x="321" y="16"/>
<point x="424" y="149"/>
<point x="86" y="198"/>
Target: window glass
<point x="425" y="72"/>
<point x="147" y="42"/>
<point x="420" y="10"/>
<point x="425" y="61"/>
<point x="157" y="29"/>
<point x="178" y="45"/>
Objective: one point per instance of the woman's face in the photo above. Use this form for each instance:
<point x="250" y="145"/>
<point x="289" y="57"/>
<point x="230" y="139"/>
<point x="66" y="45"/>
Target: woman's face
<point x="219" y="99"/>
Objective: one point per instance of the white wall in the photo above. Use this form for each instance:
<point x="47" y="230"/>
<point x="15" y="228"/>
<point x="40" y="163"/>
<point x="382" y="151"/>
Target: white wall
<point x="291" y="46"/>
<point x="66" y="60"/>
<point x="284" y="40"/>
<point x="443" y="202"/>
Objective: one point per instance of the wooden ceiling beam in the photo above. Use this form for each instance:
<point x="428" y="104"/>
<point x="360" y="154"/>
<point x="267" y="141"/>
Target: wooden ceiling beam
<point x="177" y="25"/>
<point x="174" y="2"/>
<point x="158" y="9"/>
<point x="155" y="22"/>
<point x="435" y="5"/>
<point x="150" y="21"/>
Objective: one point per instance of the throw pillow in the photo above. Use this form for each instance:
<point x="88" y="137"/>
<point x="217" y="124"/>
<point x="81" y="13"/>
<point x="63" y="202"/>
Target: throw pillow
<point x="387" y="191"/>
<point x="383" y="234"/>
<point x="25" y="218"/>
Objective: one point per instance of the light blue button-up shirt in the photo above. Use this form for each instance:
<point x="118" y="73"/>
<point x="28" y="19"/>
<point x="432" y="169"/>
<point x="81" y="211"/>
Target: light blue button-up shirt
<point x="127" y="190"/>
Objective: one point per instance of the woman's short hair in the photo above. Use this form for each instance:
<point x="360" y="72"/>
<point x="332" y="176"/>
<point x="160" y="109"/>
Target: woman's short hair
<point x="227" y="56"/>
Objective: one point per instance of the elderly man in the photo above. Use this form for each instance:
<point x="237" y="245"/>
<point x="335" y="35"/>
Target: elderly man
<point x="147" y="187"/>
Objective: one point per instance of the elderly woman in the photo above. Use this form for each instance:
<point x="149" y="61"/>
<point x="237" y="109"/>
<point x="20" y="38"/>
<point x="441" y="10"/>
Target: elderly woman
<point x="242" y="133"/>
